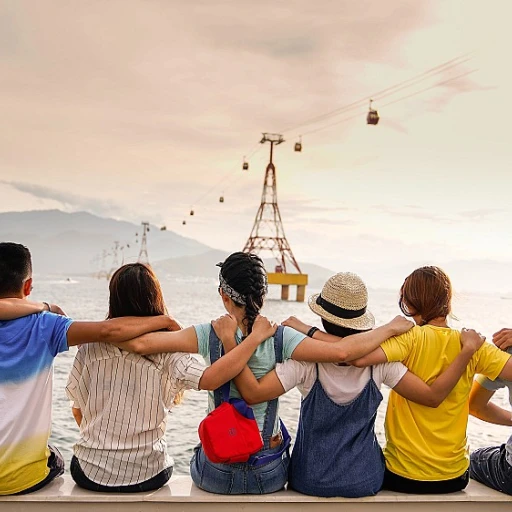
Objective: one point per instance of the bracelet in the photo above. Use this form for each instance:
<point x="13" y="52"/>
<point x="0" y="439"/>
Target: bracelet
<point x="312" y="331"/>
<point x="48" y="306"/>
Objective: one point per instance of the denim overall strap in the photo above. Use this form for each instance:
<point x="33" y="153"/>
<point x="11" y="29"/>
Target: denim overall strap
<point x="336" y="452"/>
<point x="216" y="351"/>
<point x="271" y="410"/>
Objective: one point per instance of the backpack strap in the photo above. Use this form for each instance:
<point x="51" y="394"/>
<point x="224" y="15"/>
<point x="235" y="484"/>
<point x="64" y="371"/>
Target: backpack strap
<point x="271" y="410"/>
<point x="216" y="351"/>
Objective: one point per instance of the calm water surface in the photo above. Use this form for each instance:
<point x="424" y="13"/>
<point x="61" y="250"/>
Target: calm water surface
<point x="195" y="300"/>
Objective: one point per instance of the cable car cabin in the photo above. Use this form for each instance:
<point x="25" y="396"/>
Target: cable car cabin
<point x="191" y="212"/>
<point x="163" y="228"/>
<point x="298" y="146"/>
<point x="184" y="222"/>
<point x="245" y="166"/>
<point x="221" y="199"/>
<point x="372" y="117"/>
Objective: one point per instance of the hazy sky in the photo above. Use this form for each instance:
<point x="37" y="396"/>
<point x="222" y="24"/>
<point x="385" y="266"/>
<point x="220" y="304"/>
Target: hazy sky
<point x="143" y="109"/>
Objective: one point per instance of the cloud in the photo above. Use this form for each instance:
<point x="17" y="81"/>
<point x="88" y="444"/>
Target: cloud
<point x="69" y="201"/>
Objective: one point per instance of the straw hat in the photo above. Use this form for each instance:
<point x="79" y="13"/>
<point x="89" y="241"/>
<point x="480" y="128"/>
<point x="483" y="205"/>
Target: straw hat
<point x="343" y="301"/>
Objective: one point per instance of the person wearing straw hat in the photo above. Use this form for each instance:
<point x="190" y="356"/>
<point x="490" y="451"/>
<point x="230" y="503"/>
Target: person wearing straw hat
<point x="336" y="452"/>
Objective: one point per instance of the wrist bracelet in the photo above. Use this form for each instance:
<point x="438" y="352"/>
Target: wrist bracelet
<point x="312" y="331"/>
<point x="48" y="306"/>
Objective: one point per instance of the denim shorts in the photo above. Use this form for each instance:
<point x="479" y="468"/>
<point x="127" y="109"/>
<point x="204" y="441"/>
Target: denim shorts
<point x="490" y="467"/>
<point x="239" y="478"/>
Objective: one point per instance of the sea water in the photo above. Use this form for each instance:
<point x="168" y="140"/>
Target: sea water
<point x="195" y="300"/>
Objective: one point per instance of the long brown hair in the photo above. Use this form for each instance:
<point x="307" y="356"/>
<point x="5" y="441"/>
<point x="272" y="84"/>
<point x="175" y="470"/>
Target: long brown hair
<point x="426" y="292"/>
<point x="135" y="291"/>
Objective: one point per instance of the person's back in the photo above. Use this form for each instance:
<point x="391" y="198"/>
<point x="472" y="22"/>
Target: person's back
<point x="28" y="347"/>
<point x="424" y="443"/>
<point x="124" y="399"/>
<point x="426" y="449"/>
<point x="336" y="452"/>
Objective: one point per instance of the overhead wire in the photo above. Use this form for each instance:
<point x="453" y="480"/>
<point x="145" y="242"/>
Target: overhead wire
<point x="358" y="104"/>
<point x="388" y="91"/>
<point x="403" y="98"/>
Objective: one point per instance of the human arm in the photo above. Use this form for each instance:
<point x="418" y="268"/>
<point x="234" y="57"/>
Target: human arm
<point x="115" y="330"/>
<point x="413" y="388"/>
<point x="160" y="342"/>
<point x="77" y="414"/>
<point x="252" y="390"/>
<point x="10" y="309"/>
<point x="324" y="347"/>
<point x="481" y="407"/>
<point x="234" y="361"/>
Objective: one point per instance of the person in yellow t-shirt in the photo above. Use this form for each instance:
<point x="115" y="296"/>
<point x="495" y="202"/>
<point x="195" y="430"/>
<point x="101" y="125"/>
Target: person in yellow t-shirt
<point x="426" y="449"/>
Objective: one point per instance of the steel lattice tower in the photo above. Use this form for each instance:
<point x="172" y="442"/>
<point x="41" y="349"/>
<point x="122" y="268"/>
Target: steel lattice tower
<point x="143" y="253"/>
<point x="267" y="232"/>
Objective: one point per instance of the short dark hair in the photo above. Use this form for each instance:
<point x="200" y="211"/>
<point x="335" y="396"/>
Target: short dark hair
<point x="339" y="330"/>
<point x="15" y="267"/>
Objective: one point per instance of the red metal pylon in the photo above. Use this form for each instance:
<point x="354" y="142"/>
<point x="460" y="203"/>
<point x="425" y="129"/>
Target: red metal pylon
<point x="267" y="233"/>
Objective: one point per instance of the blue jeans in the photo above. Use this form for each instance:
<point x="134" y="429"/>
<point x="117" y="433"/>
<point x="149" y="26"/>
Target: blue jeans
<point x="490" y="467"/>
<point x="239" y="478"/>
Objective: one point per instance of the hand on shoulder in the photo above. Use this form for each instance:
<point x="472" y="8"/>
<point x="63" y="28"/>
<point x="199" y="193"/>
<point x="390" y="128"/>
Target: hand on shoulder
<point x="296" y="324"/>
<point x="503" y="338"/>
<point x="400" y="324"/>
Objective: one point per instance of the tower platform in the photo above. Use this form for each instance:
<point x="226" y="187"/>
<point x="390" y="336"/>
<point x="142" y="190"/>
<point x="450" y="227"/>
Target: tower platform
<point x="286" y="280"/>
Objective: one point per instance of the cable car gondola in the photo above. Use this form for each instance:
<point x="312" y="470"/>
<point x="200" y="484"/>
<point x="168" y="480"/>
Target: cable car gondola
<point x="373" y="115"/>
<point x="184" y="222"/>
<point x="221" y="199"/>
<point x="245" y="165"/>
<point x="191" y="212"/>
<point x="298" y="145"/>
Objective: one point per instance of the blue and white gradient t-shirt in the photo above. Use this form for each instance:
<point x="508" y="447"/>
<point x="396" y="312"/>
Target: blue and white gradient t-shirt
<point x="28" y="347"/>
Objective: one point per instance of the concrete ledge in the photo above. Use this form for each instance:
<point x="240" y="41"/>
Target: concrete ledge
<point x="181" y="494"/>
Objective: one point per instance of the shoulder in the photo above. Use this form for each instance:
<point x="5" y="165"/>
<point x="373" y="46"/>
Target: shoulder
<point x="389" y="373"/>
<point x="291" y="335"/>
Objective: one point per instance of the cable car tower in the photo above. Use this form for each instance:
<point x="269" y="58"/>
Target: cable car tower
<point x="268" y="233"/>
<point x="143" y="253"/>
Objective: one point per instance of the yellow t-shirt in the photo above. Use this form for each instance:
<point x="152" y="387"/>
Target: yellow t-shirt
<point x="429" y="444"/>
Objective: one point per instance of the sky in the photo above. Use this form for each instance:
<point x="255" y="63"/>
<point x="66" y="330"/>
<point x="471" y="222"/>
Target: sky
<point x="143" y="110"/>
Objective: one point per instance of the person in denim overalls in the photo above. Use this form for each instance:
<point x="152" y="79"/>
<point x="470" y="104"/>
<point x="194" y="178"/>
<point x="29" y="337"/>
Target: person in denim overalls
<point x="336" y="452"/>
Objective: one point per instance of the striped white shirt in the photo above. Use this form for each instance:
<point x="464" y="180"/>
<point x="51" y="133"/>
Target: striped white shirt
<point x="124" y="399"/>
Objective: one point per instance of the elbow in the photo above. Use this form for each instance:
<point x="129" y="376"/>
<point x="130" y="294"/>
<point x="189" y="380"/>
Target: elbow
<point x="251" y="399"/>
<point x="433" y="403"/>
<point x="343" y="355"/>
<point x="358" y="363"/>
<point x="474" y="411"/>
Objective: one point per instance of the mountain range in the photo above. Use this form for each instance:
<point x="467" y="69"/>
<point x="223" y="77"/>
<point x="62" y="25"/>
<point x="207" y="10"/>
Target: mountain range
<point x="73" y="243"/>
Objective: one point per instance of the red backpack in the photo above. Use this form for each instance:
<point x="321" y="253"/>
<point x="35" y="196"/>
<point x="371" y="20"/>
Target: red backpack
<point x="230" y="432"/>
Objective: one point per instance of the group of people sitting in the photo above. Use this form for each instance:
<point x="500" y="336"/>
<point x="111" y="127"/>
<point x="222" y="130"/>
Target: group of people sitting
<point x="132" y="368"/>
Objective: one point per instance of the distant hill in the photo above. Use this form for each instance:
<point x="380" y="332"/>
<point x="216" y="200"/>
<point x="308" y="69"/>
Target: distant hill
<point x="204" y="265"/>
<point x="67" y="243"/>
